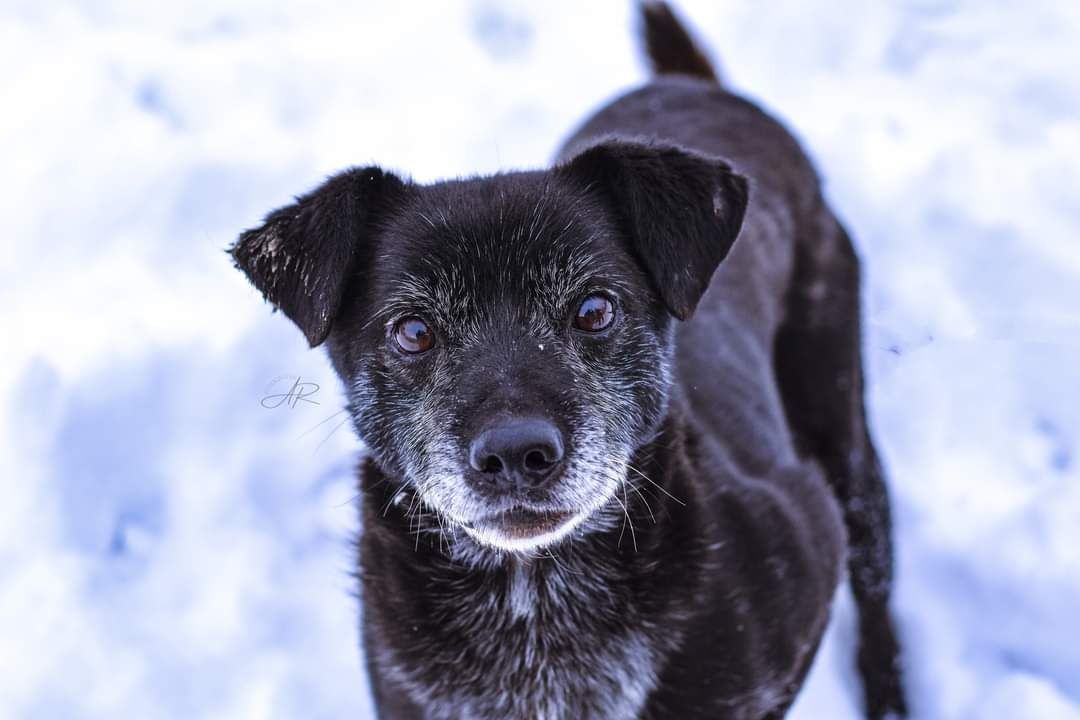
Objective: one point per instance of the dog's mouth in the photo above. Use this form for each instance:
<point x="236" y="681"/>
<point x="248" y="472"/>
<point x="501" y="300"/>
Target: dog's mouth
<point x="521" y="523"/>
<point x="522" y="528"/>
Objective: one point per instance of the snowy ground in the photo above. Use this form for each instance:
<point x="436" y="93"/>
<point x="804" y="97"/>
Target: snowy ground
<point x="170" y="548"/>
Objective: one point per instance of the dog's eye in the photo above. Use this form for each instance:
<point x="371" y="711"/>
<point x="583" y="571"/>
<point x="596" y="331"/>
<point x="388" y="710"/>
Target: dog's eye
<point x="595" y="313"/>
<point x="413" y="335"/>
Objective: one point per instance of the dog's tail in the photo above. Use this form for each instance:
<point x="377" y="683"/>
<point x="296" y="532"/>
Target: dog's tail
<point x="668" y="45"/>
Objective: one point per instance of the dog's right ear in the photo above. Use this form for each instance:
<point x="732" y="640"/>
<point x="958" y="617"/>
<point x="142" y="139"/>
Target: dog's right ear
<point x="680" y="210"/>
<point x="303" y="255"/>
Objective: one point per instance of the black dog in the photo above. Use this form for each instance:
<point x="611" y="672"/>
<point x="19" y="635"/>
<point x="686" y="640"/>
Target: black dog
<point x="575" y="506"/>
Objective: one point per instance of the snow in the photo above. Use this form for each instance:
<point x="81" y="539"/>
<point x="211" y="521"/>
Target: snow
<point x="171" y="548"/>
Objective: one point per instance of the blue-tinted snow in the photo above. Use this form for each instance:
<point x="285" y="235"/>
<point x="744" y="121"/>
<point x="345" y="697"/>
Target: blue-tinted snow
<point x="170" y="548"/>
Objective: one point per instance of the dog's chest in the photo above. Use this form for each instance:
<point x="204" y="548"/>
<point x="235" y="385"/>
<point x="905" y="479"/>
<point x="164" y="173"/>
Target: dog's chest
<point x="530" y="645"/>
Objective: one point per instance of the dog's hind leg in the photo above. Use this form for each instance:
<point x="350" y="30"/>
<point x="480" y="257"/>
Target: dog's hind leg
<point x="819" y="371"/>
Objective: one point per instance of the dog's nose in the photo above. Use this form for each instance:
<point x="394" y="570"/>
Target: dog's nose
<point x="520" y="453"/>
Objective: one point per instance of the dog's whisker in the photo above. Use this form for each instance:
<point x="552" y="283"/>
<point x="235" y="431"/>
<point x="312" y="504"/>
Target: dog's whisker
<point x="351" y="500"/>
<point x="634" y="488"/>
<point x="393" y="498"/>
<point x="659" y="487"/>
<point x="648" y="507"/>
<point x="419" y="520"/>
<point x="414" y="503"/>
<point x="626" y="503"/>
<point x="626" y="521"/>
<point x="442" y="533"/>
<point x="327" y="438"/>
<point x="562" y="566"/>
<point x="626" y="517"/>
<point x="319" y="424"/>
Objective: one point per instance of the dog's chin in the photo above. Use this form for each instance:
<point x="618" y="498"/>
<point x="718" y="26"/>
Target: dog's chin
<point x="523" y="530"/>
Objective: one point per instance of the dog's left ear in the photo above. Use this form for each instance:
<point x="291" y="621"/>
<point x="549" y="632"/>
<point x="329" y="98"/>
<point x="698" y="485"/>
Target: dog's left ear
<point x="681" y="211"/>
<point x="303" y="255"/>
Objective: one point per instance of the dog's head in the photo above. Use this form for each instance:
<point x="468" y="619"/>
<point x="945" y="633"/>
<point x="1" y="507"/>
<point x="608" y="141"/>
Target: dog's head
<point x="505" y="341"/>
